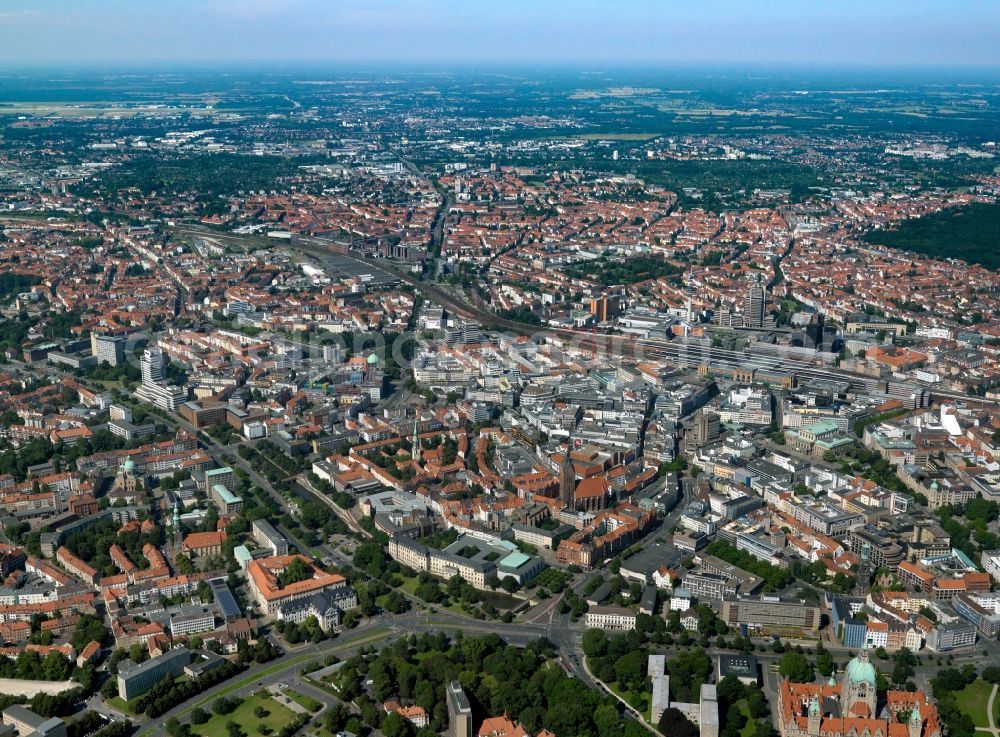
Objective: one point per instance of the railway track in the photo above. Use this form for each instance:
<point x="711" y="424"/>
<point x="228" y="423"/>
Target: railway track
<point x="682" y="354"/>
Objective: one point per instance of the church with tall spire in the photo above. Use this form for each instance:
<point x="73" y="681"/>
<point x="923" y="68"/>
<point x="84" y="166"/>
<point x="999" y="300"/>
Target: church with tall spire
<point x="415" y="444"/>
<point x="177" y="531"/>
<point x="863" y="577"/>
<point x="567" y="478"/>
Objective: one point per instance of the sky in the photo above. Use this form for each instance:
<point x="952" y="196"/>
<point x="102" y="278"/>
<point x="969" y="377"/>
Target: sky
<point x="890" y="33"/>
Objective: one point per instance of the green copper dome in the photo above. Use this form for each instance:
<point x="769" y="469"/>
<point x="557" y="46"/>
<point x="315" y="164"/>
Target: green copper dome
<point x="814" y="708"/>
<point x="373" y="359"/>
<point x="859" y="670"/>
<point x="128" y="465"/>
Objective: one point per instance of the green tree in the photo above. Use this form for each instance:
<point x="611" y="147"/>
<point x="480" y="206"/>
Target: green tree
<point x="395" y="602"/>
<point x="824" y="664"/>
<point x="595" y="643"/>
<point x="297" y="570"/>
<point x="396" y="726"/>
<point x="674" y="723"/>
<point x="795" y="667"/>
<point x="630" y="670"/>
<point x="991" y="674"/>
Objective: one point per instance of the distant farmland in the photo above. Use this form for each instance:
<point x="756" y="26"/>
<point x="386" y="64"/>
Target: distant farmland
<point x="971" y="233"/>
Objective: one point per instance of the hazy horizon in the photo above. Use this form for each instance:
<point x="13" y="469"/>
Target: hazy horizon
<point x="919" y="34"/>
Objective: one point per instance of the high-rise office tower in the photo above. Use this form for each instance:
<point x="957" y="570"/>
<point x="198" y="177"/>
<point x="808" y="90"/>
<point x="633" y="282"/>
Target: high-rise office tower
<point x="754" y="302"/>
<point x="108" y="349"/>
<point x="153" y="366"/>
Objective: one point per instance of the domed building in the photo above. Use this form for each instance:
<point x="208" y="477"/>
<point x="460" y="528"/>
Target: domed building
<point x="852" y="707"/>
<point x="127" y="486"/>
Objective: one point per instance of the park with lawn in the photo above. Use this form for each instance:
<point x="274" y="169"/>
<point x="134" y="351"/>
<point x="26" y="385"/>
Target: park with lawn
<point x="963" y="698"/>
<point x="306" y="702"/>
<point x="258" y="714"/>
<point x="974" y="699"/>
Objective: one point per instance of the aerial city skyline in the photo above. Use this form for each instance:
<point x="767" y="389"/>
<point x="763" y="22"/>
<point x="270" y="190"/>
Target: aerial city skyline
<point x="525" y="369"/>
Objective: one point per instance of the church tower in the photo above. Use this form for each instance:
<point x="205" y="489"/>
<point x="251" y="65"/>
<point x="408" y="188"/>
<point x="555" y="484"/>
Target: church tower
<point x="177" y="524"/>
<point x="915" y="724"/>
<point x="815" y="717"/>
<point x="864" y="576"/>
<point x="567" y="478"/>
<point x="415" y="444"/>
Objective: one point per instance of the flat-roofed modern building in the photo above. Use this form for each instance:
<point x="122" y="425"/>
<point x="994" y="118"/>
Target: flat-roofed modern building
<point x="107" y="348"/>
<point x="980" y="611"/>
<point x="135" y="679"/>
<point x="225" y="500"/>
<point x="708" y="708"/>
<point x="742" y="666"/>
<point x="459" y="711"/>
<point x="746" y="581"/>
<point x="29" y="724"/>
<point x="187" y="619"/>
<point x="225" y="602"/>
<point x="201" y="415"/>
<point x="539" y="537"/>
<point x="710" y="585"/>
<point x="954" y="635"/>
<point x="266" y="536"/>
<point x="770" y="614"/>
<point x="826" y="518"/>
<point x="884" y="549"/>
<point x="224" y="476"/>
<point x="243" y="556"/>
<point x="164" y="396"/>
<point x="657" y="670"/>
<point x="990" y="560"/>
<point x="641" y="566"/>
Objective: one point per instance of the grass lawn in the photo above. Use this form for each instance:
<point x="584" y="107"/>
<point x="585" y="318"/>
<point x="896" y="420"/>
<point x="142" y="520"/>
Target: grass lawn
<point x="973" y="700"/>
<point x="121" y="705"/>
<point x="748" y="728"/>
<point x="410" y="585"/>
<point x="277" y="717"/>
<point x="455" y="607"/>
<point x="376" y="635"/>
<point x="306" y="702"/>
